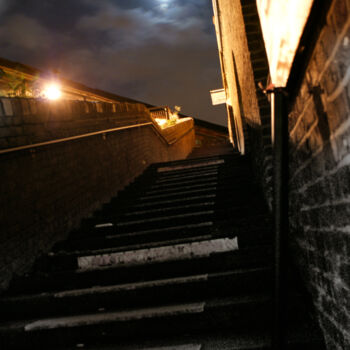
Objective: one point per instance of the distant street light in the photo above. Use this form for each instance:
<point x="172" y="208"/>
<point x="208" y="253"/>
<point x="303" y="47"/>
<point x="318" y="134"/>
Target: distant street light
<point x="53" y="91"/>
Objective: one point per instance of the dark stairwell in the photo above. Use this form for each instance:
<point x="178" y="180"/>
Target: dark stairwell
<point x="181" y="259"/>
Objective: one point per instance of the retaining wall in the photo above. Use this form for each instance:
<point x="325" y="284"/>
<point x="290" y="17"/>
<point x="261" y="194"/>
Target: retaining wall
<point x="47" y="190"/>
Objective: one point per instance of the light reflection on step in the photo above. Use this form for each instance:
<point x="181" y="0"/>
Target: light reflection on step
<point x="190" y="166"/>
<point x="167" y="253"/>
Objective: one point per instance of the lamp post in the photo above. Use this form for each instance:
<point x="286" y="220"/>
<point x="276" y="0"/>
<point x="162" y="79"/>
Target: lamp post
<point x="279" y="123"/>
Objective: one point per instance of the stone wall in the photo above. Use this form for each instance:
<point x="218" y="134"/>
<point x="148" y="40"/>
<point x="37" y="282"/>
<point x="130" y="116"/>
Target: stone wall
<point x="47" y="190"/>
<point x="319" y="126"/>
<point x="244" y="65"/>
<point x="27" y="121"/>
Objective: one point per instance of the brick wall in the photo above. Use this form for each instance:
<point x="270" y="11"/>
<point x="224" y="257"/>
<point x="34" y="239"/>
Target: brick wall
<point x="244" y="63"/>
<point x="46" y="191"/>
<point x="320" y="176"/>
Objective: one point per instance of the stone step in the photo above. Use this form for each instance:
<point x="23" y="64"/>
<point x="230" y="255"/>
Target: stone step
<point x="235" y="194"/>
<point x="198" y="160"/>
<point x="137" y="294"/>
<point x="220" y="179"/>
<point x="169" y="192"/>
<point x="186" y="171"/>
<point x="165" y="170"/>
<point x="177" y="184"/>
<point x="256" y="237"/>
<point x="173" y="209"/>
<point x="183" y="177"/>
<point x="214" y="340"/>
<point x="219" y="313"/>
<point x="223" y="207"/>
<point x="232" y="215"/>
<point x="232" y="222"/>
<point x="166" y="221"/>
<point x="220" y="169"/>
<point x="165" y="249"/>
<point x="219" y="199"/>
<point x="198" y="174"/>
<point x="147" y="253"/>
<point x="184" y="187"/>
<point x="147" y="270"/>
<point x="172" y="168"/>
<point x="138" y="237"/>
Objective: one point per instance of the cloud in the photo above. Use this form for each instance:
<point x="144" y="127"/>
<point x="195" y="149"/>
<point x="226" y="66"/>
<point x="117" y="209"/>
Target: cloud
<point x="22" y="31"/>
<point x="133" y="48"/>
<point x="3" y="6"/>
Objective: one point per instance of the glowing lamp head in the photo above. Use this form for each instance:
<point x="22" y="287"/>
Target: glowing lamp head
<point x="53" y="92"/>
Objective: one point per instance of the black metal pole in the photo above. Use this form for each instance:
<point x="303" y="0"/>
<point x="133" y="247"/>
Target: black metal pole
<point x="280" y="145"/>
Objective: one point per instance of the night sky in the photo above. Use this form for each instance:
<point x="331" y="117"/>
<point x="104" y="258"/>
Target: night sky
<point x="163" y="52"/>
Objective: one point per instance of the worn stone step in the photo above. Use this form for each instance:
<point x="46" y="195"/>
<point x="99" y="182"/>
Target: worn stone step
<point x="178" y="167"/>
<point x="221" y="197"/>
<point x="183" y="177"/>
<point x="181" y="187"/>
<point x="137" y="294"/>
<point x="189" y="182"/>
<point x="114" y="210"/>
<point x="219" y="208"/>
<point x="139" y="237"/>
<point x="198" y="174"/>
<point x="187" y="171"/>
<point x="170" y="319"/>
<point x="249" y="232"/>
<point x="115" y="274"/>
<point x="169" y="220"/>
<point x="223" y="178"/>
<point x="261" y="236"/>
<point x="111" y="230"/>
<point x="74" y="259"/>
<point x="224" y="204"/>
<point x="238" y="222"/>
<point x="232" y="222"/>
<point x="233" y="192"/>
<point x="172" y="209"/>
<point x="199" y="160"/>
<point x="125" y="224"/>
<point x="220" y="168"/>
<point x="232" y="339"/>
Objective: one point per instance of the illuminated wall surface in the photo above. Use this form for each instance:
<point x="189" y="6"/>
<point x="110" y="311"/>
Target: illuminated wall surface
<point x="282" y="24"/>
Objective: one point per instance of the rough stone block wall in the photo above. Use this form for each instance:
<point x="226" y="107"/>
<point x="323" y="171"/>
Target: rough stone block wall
<point x="47" y="190"/>
<point x="320" y="176"/>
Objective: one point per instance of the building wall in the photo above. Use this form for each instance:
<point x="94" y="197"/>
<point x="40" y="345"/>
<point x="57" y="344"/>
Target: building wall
<point x="319" y="125"/>
<point x="209" y="134"/>
<point x="47" y="190"/>
<point x="244" y="66"/>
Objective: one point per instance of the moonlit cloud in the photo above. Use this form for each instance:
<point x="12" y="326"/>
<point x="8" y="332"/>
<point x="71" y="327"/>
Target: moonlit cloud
<point x="161" y="52"/>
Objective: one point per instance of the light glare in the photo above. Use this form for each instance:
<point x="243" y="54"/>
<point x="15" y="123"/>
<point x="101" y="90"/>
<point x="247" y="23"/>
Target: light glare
<point x="53" y="92"/>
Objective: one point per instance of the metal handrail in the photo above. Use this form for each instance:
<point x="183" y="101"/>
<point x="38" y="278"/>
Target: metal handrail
<point x="76" y="137"/>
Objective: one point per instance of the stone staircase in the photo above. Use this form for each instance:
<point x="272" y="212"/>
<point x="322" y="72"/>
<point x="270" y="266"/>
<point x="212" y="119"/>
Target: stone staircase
<point x="181" y="259"/>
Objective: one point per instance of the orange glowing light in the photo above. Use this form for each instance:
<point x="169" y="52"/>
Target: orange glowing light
<point x="53" y="92"/>
<point x="282" y="23"/>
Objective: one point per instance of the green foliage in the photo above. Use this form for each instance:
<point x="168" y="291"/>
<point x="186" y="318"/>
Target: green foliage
<point x="16" y="85"/>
